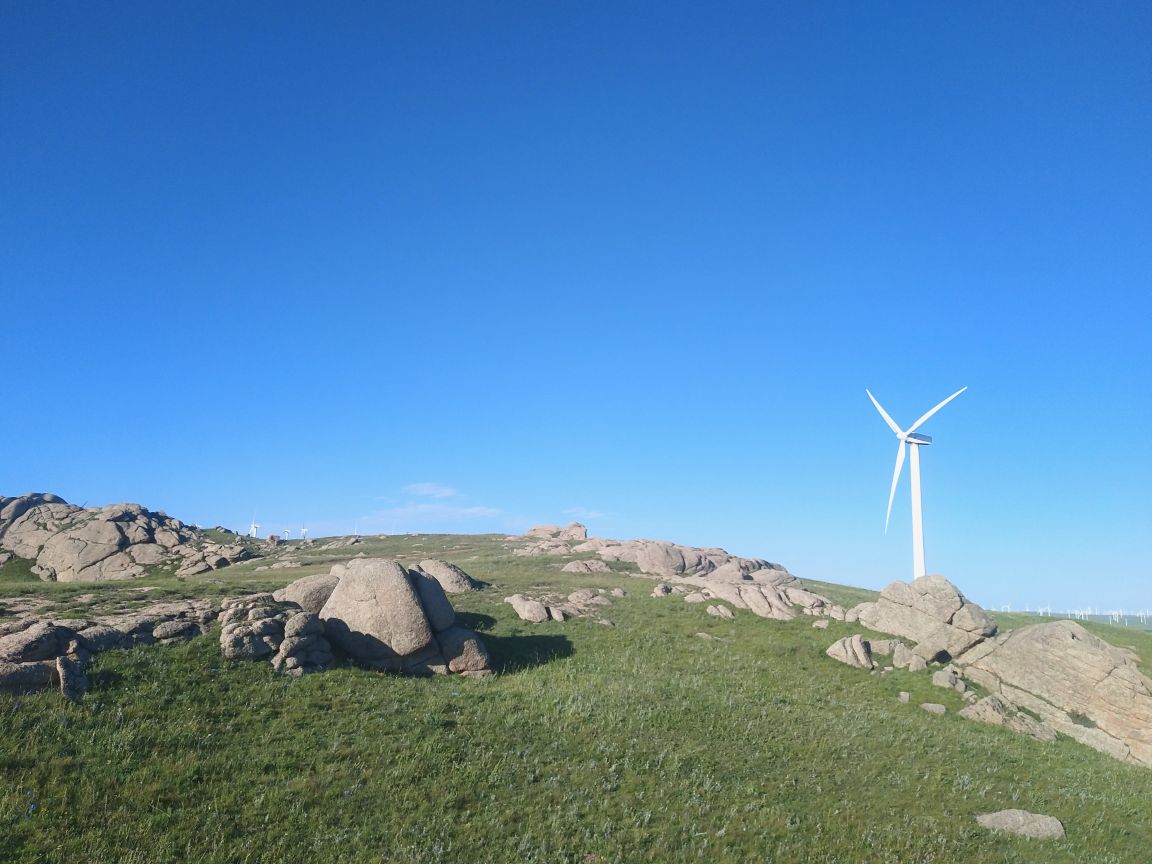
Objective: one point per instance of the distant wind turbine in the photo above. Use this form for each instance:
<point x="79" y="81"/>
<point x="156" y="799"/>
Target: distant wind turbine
<point x="303" y="533"/>
<point x="253" y="529"/>
<point x="913" y="440"/>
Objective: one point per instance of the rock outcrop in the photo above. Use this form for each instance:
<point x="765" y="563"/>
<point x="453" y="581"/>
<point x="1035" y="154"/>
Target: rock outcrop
<point x="933" y="613"/>
<point x="593" y="566"/>
<point x="67" y="543"/>
<point x="1076" y="683"/>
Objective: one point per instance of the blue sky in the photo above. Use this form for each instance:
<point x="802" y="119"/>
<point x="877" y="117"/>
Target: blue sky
<point x="476" y="266"/>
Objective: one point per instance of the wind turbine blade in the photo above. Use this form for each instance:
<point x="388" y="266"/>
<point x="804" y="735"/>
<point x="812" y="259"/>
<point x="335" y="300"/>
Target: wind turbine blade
<point x="895" y="479"/>
<point x="891" y="423"/>
<point x="914" y="426"/>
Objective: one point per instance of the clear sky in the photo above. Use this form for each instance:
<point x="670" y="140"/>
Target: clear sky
<point x="433" y="266"/>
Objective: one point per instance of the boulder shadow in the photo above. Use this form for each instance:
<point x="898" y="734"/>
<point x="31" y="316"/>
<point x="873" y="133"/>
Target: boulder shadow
<point x="475" y="621"/>
<point x="509" y="654"/>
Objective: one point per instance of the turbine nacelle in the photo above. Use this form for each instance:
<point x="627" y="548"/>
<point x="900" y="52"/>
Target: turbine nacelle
<point x="916" y="438"/>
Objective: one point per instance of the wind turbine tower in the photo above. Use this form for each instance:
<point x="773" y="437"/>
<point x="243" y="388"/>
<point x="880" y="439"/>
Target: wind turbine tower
<point x="303" y="533"/>
<point x="254" y="529"/>
<point x="910" y="439"/>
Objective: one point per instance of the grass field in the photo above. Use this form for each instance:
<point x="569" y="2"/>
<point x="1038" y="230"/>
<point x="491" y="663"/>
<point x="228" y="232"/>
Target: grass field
<point x="641" y="742"/>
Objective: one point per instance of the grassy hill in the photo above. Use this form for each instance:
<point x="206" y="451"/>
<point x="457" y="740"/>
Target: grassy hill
<point x="637" y="742"/>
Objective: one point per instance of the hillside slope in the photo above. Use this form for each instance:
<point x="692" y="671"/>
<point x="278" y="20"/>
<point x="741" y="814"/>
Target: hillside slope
<point x="668" y="736"/>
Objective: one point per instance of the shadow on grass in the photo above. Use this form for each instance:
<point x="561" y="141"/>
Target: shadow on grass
<point x="103" y="679"/>
<point x="475" y="621"/>
<point x="517" y="653"/>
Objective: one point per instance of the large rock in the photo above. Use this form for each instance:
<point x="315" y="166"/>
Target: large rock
<point x="451" y="578"/>
<point x="375" y="614"/>
<point x="930" y="611"/>
<point x="1075" y="682"/>
<point x="310" y="593"/>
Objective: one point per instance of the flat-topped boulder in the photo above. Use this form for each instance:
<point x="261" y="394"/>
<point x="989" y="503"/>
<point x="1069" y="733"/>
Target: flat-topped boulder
<point x="931" y="612"/>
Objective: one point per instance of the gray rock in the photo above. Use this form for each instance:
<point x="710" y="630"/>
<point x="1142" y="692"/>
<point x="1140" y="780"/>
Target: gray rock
<point x="27" y="677"/>
<point x="822" y="624"/>
<point x="303" y="624"/>
<point x="42" y="641"/>
<point x="463" y="650"/>
<point x="73" y="682"/>
<point x="532" y="611"/>
<point x="177" y="630"/>
<point x="853" y="651"/>
<point x="720" y="612"/>
<point x="375" y="614"/>
<point x="437" y="608"/>
<point x="451" y="578"/>
<point x="948" y="677"/>
<point x="933" y="708"/>
<point x="310" y="593"/>
<point x="932" y="612"/>
<point x="101" y="637"/>
<point x="1023" y="824"/>
<point x="592" y="566"/>
<point x="1075" y="682"/>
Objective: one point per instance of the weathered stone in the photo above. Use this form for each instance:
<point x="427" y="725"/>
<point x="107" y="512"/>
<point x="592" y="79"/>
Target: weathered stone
<point x="27" y="677"/>
<point x="310" y="593"/>
<point x="933" y="708"/>
<point x="532" y="611"/>
<point x="1077" y="684"/>
<point x="175" y="630"/>
<point x="303" y="624"/>
<point x="451" y="578"/>
<point x="437" y="608"/>
<point x="463" y="650"/>
<point x="73" y="682"/>
<point x="720" y="612"/>
<point x="853" y="651"/>
<point x="822" y="624"/>
<point x="592" y="566"/>
<point x="1023" y="824"/>
<point x="932" y="612"/>
<point x="42" y="641"/>
<point x="375" y="614"/>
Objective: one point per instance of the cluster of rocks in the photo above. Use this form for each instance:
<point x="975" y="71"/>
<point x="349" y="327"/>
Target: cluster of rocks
<point x="582" y="603"/>
<point x="39" y="653"/>
<point x="372" y="611"/>
<point x="1042" y="680"/>
<point x="698" y="574"/>
<point x="67" y="543"/>
<point x="767" y="592"/>
<point x="257" y="626"/>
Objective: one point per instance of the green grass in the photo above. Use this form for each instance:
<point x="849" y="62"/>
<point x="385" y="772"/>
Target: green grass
<point x="635" y="743"/>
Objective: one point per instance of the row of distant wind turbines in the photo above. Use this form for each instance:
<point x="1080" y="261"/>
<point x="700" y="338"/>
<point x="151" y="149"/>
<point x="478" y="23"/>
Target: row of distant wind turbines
<point x="286" y="534"/>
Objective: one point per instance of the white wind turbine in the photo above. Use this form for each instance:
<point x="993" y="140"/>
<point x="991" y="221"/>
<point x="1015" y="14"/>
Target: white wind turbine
<point x="253" y="529"/>
<point x="913" y="440"/>
<point x="303" y="533"/>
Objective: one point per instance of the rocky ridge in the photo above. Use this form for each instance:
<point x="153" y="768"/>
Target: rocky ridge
<point x="67" y="543"/>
